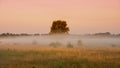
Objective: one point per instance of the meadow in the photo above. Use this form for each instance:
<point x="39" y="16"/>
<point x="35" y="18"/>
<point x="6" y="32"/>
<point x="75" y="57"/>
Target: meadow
<point x="60" y="52"/>
<point x="35" y="56"/>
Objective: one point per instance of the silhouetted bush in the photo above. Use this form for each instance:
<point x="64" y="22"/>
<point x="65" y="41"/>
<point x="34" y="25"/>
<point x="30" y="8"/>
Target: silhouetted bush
<point x="33" y="67"/>
<point x="69" y="45"/>
<point x="34" y="42"/>
<point x="113" y="45"/>
<point x="0" y="42"/>
<point x="79" y="42"/>
<point x="55" y="44"/>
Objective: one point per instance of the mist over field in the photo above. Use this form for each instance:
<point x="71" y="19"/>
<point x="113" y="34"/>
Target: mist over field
<point x="60" y="51"/>
<point x="76" y="40"/>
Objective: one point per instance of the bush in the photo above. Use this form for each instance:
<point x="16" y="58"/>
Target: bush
<point x="34" y="42"/>
<point x="55" y="44"/>
<point x="79" y="42"/>
<point x="0" y="42"/>
<point x="113" y="45"/>
<point x="69" y="45"/>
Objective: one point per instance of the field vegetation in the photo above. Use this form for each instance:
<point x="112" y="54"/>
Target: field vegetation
<point x="61" y="57"/>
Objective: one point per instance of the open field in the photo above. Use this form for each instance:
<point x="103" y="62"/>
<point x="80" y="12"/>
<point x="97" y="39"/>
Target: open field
<point x="34" y="56"/>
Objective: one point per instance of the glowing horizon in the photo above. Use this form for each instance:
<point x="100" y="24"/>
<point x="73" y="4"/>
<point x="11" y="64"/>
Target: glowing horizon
<point x="82" y="16"/>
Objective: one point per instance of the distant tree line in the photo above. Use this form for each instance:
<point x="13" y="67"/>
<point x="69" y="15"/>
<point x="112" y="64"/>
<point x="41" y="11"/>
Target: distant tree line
<point x="25" y="34"/>
<point x="13" y="34"/>
<point x="106" y="34"/>
<point x="103" y="34"/>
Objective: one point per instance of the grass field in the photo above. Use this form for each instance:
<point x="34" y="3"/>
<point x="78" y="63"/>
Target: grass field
<point x="47" y="57"/>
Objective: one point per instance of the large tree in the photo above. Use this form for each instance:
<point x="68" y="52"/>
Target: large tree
<point x="59" y="27"/>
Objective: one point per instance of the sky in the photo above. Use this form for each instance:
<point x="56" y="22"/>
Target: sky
<point x="82" y="16"/>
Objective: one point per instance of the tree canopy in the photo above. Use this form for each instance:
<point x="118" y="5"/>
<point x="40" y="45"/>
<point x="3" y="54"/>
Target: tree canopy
<point x="59" y="27"/>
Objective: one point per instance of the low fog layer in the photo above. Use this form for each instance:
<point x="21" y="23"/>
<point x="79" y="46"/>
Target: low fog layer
<point x="63" y="40"/>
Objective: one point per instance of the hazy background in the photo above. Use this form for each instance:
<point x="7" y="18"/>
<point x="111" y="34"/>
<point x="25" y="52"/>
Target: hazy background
<point x="36" y="16"/>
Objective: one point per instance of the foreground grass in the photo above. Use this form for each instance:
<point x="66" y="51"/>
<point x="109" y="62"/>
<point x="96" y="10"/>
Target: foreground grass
<point x="60" y="58"/>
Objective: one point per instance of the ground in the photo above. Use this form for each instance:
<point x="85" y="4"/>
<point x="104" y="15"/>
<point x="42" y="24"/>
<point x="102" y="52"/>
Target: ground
<point x="35" y="56"/>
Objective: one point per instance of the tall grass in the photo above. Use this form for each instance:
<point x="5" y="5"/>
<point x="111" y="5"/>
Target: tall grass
<point x="60" y="58"/>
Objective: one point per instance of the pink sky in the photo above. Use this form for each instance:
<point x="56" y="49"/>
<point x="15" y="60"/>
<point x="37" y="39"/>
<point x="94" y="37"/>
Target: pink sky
<point x="82" y="16"/>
